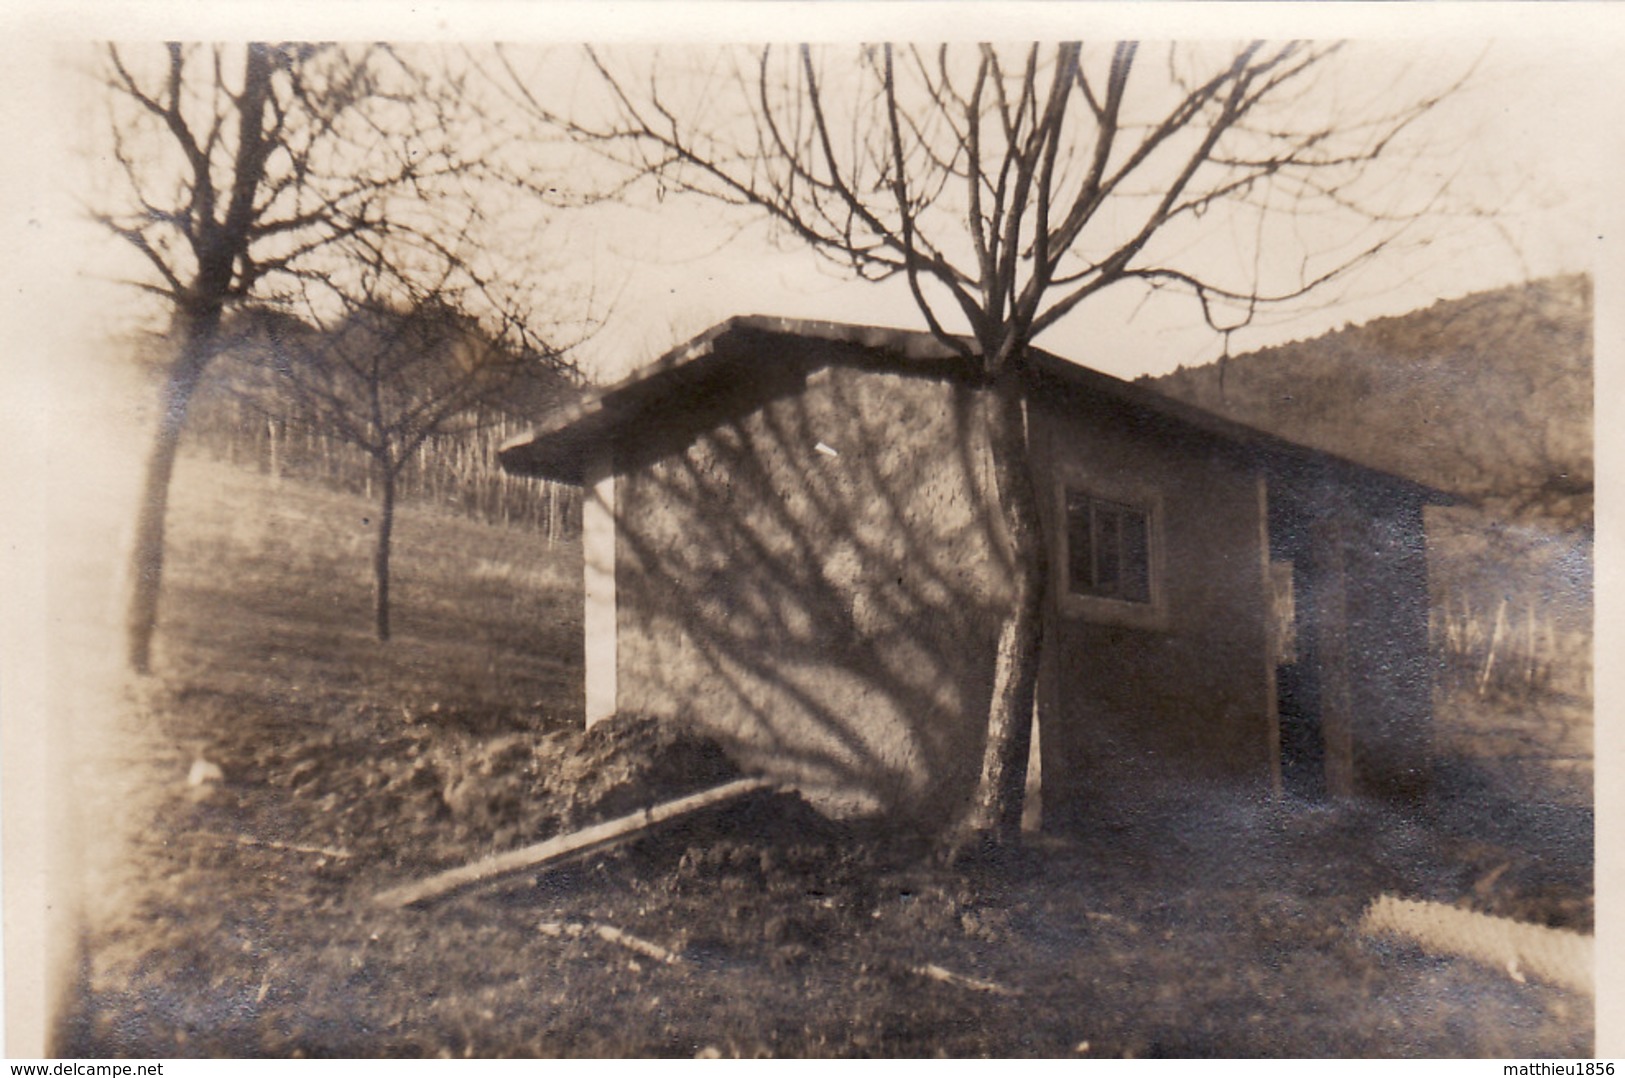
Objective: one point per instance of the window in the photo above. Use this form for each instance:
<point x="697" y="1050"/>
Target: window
<point x="1108" y="549"/>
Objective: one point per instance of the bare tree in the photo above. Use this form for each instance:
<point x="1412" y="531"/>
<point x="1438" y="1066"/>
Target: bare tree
<point x="244" y="172"/>
<point x="1007" y="187"/>
<point x="393" y="370"/>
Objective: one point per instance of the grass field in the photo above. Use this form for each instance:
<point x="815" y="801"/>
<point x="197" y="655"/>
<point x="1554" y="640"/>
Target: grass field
<point x="233" y="916"/>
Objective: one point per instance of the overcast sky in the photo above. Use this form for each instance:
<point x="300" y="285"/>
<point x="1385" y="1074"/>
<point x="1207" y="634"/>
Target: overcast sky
<point x="1525" y="131"/>
<point x="1529" y="135"/>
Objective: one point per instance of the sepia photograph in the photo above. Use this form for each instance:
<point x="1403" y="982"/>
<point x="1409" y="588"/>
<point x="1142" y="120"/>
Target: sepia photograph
<point x="808" y="530"/>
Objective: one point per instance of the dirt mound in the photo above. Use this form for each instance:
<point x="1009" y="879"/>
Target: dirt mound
<point x="411" y="791"/>
<point x="505" y="791"/>
<point x="628" y="762"/>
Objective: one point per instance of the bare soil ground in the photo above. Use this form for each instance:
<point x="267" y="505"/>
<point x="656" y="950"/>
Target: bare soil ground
<point x="232" y="916"/>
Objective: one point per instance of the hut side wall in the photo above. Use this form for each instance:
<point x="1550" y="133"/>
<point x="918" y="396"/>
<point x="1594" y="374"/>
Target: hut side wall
<point x="1141" y="698"/>
<point x="1393" y="677"/>
<point x="818" y="580"/>
<point x="1380" y="629"/>
<point x="813" y="580"/>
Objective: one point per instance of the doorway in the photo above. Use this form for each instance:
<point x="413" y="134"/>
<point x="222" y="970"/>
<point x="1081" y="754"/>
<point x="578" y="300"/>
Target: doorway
<point x="1311" y="655"/>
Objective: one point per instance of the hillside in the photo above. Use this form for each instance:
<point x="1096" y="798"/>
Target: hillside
<point x="234" y="914"/>
<point x="1488" y="396"/>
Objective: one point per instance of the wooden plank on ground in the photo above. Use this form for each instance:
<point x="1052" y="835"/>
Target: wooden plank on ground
<point x="610" y="934"/>
<point x="291" y="847"/>
<point x="1556" y="955"/>
<point x="959" y="980"/>
<point x="598" y="836"/>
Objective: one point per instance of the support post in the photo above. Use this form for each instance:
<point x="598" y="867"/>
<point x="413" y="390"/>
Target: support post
<point x="598" y="573"/>
<point x="1336" y="688"/>
<point x="1269" y="597"/>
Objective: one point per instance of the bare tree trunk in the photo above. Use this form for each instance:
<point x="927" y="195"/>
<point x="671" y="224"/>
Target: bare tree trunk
<point x="995" y="812"/>
<point x="147" y="556"/>
<point x="380" y="562"/>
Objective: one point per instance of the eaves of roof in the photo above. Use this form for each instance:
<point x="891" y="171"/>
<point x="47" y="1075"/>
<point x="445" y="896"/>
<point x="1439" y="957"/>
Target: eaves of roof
<point x="559" y="446"/>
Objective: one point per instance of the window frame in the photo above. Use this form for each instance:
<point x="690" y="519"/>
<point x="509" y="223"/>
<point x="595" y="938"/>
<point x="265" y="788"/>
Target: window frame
<point x="1110" y="610"/>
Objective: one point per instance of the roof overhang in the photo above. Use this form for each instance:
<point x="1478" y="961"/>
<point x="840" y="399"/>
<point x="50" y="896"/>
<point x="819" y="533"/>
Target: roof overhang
<point x="721" y="357"/>
<point x="765" y="354"/>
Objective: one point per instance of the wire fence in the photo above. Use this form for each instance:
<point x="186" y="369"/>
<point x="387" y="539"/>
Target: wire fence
<point x="458" y="473"/>
<point x="1508" y="648"/>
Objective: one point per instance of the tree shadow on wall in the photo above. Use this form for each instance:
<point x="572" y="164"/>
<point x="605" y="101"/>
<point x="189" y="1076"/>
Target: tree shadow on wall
<point x="818" y="580"/>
